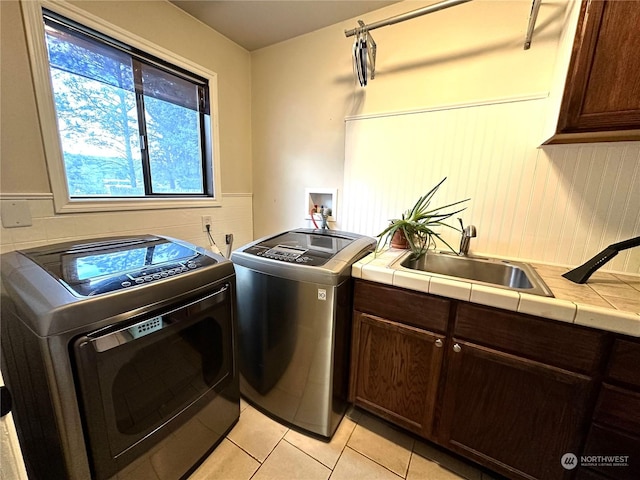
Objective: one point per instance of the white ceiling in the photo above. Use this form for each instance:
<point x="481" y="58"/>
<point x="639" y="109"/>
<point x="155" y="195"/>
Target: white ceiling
<point x="257" y="24"/>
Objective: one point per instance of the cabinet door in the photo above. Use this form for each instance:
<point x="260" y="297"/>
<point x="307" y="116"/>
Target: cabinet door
<point x="514" y="415"/>
<point x="612" y="453"/>
<point x="603" y="84"/>
<point x="395" y="371"/>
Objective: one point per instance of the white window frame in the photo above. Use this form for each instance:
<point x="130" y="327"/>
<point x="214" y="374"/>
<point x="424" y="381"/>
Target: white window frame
<point x="39" y="58"/>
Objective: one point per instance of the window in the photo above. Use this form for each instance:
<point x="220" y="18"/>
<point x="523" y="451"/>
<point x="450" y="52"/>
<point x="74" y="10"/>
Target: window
<point x="134" y="124"/>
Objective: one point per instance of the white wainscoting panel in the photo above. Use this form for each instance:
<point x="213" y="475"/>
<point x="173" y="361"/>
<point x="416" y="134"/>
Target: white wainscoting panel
<point x="234" y="216"/>
<point x="555" y="204"/>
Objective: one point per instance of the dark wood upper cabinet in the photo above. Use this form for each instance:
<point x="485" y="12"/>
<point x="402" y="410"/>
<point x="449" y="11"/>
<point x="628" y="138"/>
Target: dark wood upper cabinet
<point x="602" y="90"/>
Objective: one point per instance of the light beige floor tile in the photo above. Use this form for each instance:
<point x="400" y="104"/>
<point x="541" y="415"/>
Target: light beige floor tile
<point x="325" y="452"/>
<point x="228" y="461"/>
<point x="440" y="464"/>
<point x="256" y="433"/>
<point x="286" y="462"/>
<point x="243" y="404"/>
<point x="354" y="466"/>
<point x="382" y="444"/>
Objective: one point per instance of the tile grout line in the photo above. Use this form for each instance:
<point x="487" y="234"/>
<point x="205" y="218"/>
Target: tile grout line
<point x="412" y="451"/>
<point x="257" y="459"/>
<point x="413" y="443"/>
<point x="345" y="443"/>
<point x="315" y="459"/>
<point x="413" y="447"/>
<point x="374" y="461"/>
<point x="308" y="455"/>
<point x="267" y="457"/>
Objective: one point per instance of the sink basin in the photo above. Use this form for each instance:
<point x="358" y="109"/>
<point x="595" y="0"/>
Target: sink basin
<point x="495" y="272"/>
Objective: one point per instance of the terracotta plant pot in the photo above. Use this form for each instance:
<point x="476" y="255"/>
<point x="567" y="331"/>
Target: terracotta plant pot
<point x="399" y="240"/>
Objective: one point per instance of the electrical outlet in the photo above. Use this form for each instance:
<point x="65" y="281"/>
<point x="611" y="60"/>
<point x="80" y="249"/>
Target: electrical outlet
<point x="206" y="220"/>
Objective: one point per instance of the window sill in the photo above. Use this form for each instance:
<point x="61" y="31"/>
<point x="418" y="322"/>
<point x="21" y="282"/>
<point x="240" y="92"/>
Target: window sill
<point x="115" y="205"/>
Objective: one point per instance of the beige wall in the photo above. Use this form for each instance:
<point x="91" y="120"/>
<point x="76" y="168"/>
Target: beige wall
<point x="22" y="163"/>
<point x="466" y="59"/>
<point x="304" y="88"/>
<point x="283" y="108"/>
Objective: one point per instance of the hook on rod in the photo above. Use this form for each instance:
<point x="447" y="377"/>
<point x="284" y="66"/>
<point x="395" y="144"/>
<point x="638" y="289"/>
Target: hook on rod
<point x="364" y="54"/>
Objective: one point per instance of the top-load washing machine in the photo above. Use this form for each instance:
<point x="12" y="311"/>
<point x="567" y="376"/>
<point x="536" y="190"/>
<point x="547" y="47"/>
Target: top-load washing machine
<point x="294" y="316"/>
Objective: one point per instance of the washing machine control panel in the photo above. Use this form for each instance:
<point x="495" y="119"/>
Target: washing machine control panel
<point x="285" y="253"/>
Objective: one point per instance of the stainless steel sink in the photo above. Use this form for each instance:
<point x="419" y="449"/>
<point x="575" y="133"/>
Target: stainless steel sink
<point x="495" y="272"/>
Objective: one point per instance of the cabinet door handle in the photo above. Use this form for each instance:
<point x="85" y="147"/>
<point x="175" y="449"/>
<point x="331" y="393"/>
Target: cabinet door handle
<point x="439" y="343"/>
<point x="457" y="348"/>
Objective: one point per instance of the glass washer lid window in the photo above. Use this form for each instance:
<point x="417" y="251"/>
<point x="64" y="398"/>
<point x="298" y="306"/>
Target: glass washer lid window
<point x="326" y="243"/>
<point x="77" y="264"/>
<point x="91" y="265"/>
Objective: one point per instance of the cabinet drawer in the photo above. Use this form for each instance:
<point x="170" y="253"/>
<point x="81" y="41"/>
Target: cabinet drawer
<point x="402" y="306"/>
<point x="562" y="345"/>
<point x="618" y="408"/>
<point x="625" y="362"/>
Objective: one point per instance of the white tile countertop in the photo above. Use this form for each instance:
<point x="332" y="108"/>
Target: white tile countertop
<point x="607" y="301"/>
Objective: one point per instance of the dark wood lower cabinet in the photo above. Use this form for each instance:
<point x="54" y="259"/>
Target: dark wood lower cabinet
<point x="515" y="415"/>
<point x="612" y="453"/>
<point x="509" y="391"/>
<point x="612" y="449"/>
<point x="398" y="369"/>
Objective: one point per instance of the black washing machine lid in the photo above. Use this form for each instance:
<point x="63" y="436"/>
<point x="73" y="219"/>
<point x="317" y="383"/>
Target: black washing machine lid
<point x="311" y="248"/>
<point x="96" y="267"/>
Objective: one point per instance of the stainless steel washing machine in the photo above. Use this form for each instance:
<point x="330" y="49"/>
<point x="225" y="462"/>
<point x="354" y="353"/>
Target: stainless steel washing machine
<point x="294" y="316"/>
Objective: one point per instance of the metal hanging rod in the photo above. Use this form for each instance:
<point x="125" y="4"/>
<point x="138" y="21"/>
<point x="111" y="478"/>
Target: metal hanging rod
<point x="405" y="16"/>
<point x="535" y="7"/>
<point x="533" y="16"/>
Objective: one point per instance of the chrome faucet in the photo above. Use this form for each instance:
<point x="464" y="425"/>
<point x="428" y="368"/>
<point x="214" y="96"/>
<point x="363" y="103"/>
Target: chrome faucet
<point x="468" y="233"/>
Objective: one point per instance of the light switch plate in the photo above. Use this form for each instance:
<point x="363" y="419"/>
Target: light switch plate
<point x="15" y="213"/>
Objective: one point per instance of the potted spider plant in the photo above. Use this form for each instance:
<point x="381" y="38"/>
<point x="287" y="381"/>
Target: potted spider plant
<point x="415" y="227"/>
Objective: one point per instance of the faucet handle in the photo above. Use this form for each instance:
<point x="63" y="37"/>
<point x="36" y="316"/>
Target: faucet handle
<point x="469" y="230"/>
